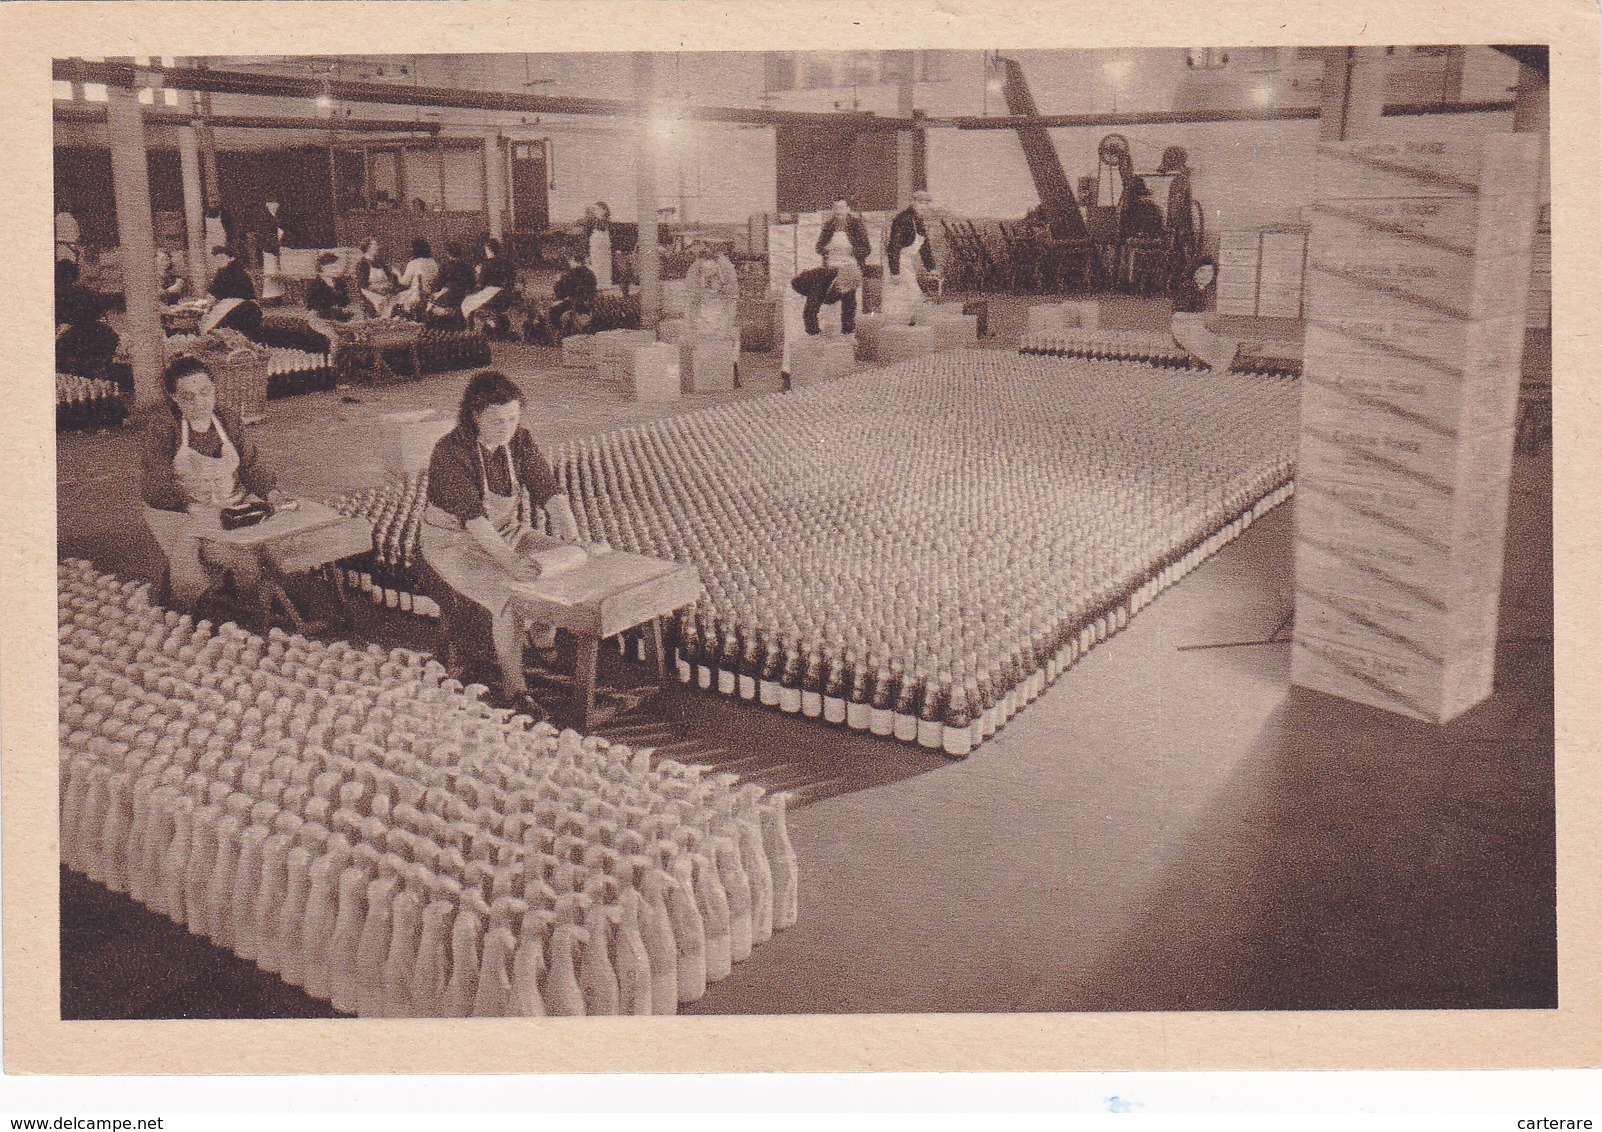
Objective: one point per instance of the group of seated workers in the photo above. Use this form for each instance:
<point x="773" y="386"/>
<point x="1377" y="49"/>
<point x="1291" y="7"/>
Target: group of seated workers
<point x="486" y="482"/>
<point x="474" y="293"/>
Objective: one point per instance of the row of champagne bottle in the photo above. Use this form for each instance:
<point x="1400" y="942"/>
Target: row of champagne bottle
<point x="88" y="402"/>
<point x="955" y="707"/>
<point x="1148" y="347"/>
<point x="358" y="823"/>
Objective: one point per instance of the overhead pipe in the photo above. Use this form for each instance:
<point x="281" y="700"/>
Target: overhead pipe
<point x="97" y="114"/>
<point x="130" y="76"/>
<point x="1180" y="117"/>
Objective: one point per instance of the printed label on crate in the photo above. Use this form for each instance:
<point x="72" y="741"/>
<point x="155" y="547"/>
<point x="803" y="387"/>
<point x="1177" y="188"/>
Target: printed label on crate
<point x="1389" y="623"/>
<point x="1375" y="556"/>
<point x="1408" y="685"/>
<point x="1398" y="168"/>
<point x="1400" y="453"/>
<point x="1423" y="516"/>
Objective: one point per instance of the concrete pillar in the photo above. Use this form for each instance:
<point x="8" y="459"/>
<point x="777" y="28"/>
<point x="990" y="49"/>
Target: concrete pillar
<point x="130" y="182"/>
<point x="208" y="151"/>
<point x="647" y="254"/>
<point x="495" y="184"/>
<point x="198" y="257"/>
<point x="906" y="146"/>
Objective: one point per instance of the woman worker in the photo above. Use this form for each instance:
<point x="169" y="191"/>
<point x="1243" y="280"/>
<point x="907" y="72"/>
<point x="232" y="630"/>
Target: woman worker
<point x="328" y="303"/>
<point x="485" y="480"/>
<point x="234" y="305"/>
<point x="196" y="463"/>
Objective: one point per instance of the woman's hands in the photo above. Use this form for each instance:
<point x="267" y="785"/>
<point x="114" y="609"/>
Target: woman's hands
<point x="563" y="525"/>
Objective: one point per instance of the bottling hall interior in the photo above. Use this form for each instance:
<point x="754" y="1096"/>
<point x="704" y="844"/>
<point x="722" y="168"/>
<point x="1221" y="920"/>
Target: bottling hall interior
<point x="805" y="532"/>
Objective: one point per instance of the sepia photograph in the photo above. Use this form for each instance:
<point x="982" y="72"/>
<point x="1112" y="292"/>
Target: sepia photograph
<point x="805" y="532"/>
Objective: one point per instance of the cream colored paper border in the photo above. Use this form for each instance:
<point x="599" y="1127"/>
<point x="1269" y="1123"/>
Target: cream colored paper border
<point x="37" y="1041"/>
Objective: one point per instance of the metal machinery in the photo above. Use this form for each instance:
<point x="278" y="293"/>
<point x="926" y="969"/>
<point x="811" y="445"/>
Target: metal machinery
<point x="1147" y="250"/>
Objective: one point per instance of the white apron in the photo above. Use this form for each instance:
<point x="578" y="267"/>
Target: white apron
<point x="477" y="299"/>
<point x="902" y="295"/>
<point x="601" y="258"/>
<point x="451" y="551"/>
<point x="217" y="312"/>
<point x="208" y="484"/>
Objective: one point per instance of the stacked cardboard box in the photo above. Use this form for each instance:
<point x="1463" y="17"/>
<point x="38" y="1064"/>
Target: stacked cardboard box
<point x="1419" y="269"/>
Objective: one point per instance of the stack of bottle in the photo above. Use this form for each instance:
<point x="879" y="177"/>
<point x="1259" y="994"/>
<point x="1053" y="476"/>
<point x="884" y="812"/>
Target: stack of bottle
<point x="1153" y="347"/>
<point x="390" y="574"/>
<point x="369" y="830"/>
<point x="1268" y="364"/>
<point x="442" y="350"/>
<point x="290" y="371"/>
<point x="88" y="403"/>
<point x="920" y="550"/>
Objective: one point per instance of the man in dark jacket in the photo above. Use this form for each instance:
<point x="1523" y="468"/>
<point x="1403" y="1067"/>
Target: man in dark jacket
<point x="849" y="225"/>
<point x="827" y="286"/>
<point x="905" y="230"/>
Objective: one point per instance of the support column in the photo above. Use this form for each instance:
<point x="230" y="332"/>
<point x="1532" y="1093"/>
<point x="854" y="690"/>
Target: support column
<point x="198" y="255"/>
<point x="136" y="235"/>
<point x="906" y="146"/>
<point x="647" y="255"/>
<point x="1418" y="275"/>
<point x="495" y="184"/>
<point x="1354" y="92"/>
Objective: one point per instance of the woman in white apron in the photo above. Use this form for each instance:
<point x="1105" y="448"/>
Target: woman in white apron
<point x="486" y="478"/>
<point x="194" y="467"/>
<point x="906" y="249"/>
<point x="599" y="224"/>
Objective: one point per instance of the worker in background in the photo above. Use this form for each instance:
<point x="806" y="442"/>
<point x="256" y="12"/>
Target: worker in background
<point x="85" y="345"/>
<point x="234" y="305"/>
<point x="575" y="299"/>
<point x="834" y="282"/>
<point x="170" y="284"/>
<point x="598" y="236"/>
<point x="68" y="236"/>
<point x="417" y="281"/>
<point x="493" y="281"/>
<point x="1180" y="223"/>
<point x="375" y="282"/>
<point x="454" y="283"/>
<point x="844" y="233"/>
<point x="1141" y="236"/>
<point x="328" y="302"/>
<point x="905" y="249"/>
<point x="711" y="293"/>
<point x="272" y="238"/>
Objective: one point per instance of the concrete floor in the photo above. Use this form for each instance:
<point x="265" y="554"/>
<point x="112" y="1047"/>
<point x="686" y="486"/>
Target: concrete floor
<point x="1168" y="828"/>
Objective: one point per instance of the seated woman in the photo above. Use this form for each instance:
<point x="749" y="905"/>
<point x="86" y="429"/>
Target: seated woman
<point x="328" y="301"/>
<point x="172" y="285"/>
<point x="455" y="281"/>
<point x="233" y="296"/>
<point x="195" y="464"/>
<point x="485" y="480"/>
<point x="374" y="280"/>
<point x="417" y="281"/>
<point x="575" y="299"/>
<point x="493" y="278"/>
<point x="85" y="345"/>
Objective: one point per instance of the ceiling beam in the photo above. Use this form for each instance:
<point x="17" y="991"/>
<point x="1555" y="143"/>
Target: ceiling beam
<point x="1173" y="117"/>
<point x="95" y="115"/>
<point x="129" y="76"/>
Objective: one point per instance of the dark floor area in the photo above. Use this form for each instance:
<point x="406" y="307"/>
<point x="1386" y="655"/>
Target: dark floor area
<point x="1170" y="827"/>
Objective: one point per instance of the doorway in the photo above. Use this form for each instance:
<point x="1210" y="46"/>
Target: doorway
<point x="531" y="202"/>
